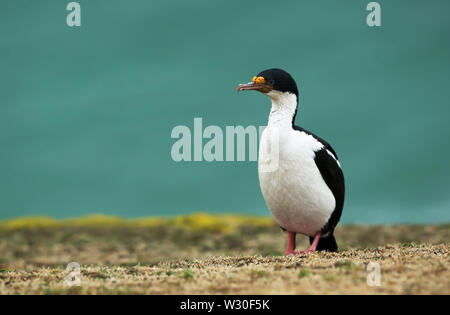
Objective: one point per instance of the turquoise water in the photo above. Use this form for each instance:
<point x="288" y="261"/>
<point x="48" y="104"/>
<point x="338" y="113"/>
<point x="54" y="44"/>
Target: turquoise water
<point x="86" y="113"/>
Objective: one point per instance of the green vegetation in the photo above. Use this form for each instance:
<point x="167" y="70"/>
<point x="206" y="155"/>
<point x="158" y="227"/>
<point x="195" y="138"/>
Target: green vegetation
<point x="303" y="273"/>
<point x="188" y="274"/>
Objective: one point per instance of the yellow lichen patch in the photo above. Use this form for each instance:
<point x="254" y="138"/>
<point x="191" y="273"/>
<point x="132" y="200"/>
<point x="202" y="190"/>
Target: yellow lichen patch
<point x="202" y="222"/>
<point x="197" y="221"/>
<point x="148" y="222"/>
<point x="95" y="220"/>
<point x="241" y="220"/>
<point x="30" y="222"/>
<point x="259" y="80"/>
<point x="221" y="223"/>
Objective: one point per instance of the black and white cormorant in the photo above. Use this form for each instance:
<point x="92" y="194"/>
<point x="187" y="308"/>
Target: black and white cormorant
<point x="299" y="173"/>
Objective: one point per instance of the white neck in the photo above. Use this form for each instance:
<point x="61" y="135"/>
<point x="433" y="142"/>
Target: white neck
<point x="284" y="105"/>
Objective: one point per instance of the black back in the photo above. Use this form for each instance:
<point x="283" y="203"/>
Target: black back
<point x="334" y="178"/>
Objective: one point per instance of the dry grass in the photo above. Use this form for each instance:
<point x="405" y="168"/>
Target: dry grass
<point x="230" y="255"/>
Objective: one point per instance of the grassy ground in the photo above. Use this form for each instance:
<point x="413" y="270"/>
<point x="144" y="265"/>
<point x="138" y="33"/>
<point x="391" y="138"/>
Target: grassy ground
<point x="212" y="255"/>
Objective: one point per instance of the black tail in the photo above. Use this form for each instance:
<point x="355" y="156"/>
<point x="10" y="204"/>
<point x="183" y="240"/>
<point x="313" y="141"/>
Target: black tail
<point x="326" y="243"/>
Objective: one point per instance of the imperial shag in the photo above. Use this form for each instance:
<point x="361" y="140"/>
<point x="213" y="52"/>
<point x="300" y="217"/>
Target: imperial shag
<point x="299" y="173"/>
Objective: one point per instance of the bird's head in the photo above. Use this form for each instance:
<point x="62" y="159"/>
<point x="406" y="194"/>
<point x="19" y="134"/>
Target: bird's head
<point x="271" y="82"/>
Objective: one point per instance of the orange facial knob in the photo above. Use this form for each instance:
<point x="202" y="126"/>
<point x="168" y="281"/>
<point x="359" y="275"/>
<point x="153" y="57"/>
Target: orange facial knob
<point x="259" y="80"/>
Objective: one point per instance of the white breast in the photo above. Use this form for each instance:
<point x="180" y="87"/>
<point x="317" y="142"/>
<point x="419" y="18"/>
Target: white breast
<point x="290" y="181"/>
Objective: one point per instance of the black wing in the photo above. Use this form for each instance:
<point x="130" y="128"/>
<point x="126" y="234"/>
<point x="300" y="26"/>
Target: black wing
<point x="325" y="144"/>
<point x="333" y="176"/>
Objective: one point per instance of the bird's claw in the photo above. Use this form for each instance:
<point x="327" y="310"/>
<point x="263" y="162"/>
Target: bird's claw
<point x="299" y="253"/>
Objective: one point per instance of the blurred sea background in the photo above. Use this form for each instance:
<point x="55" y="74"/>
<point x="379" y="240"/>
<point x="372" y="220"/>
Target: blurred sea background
<point x="86" y="113"/>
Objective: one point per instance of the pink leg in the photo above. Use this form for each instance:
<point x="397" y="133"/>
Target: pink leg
<point x="313" y="246"/>
<point x="290" y="250"/>
<point x="291" y="244"/>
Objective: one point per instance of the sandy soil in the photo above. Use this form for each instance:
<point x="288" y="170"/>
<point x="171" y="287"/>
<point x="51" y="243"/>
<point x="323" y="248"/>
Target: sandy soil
<point x="412" y="259"/>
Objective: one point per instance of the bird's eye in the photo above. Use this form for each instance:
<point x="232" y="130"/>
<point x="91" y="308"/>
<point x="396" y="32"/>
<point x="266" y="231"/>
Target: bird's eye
<point x="271" y="82"/>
